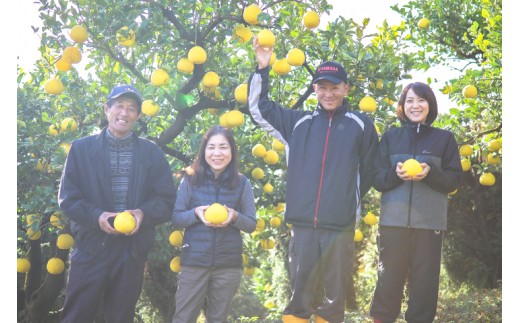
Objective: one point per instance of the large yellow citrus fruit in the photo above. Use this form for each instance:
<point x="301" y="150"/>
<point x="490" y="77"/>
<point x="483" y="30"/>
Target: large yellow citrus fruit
<point x="176" y="238"/>
<point x="175" y="264"/>
<point x="259" y="150"/>
<point x="64" y="241"/>
<point x="469" y="91"/>
<point x="223" y="120"/>
<point x="257" y="173"/>
<point x="465" y="150"/>
<point x="311" y="19"/>
<point x="55" y="266"/>
<point x="268" y="188"/>
<point x="367" y="104"/>
<point x="66" y="148"/>
<point x="465" y="163"/>
<point x="125" y="36"/>
<point x="277" y="145"/>
<point x="280" y="207"/>
<point x="412" y="167"/>
<point x="271" y="157"/>
<point x="249" y="271"/>
<point x="71" y="54"/>
<point x="245" y="259"/>
<point x="281" y="67"/>
<point x="53" y="131"/>
<point x="272" y="59"/>
<point x="23" y="265"/>
<point x="150" y="107"/>
<point x="184" y="65"/>
<point x="260" y="225"/>
<point x="242" y="33"/>
<point x="216" y="213"/>
<point x="63" y="65"/>
<point x="296" y="57"/>
<point x="241" y="93"/>
<point x="235" y="118"/>
<point x="210" y="79"/>
<point x="124" y="222"/>
<point x="370" y="218"/>
<point x="358" y="235"/>
<point x="78" y="34"/>
<point x="53" y="86"/>
<point x="68" y="124"/>
<point x="423" y="23"/>
<point x="487" y="179"/>
<point x="266" y="38"/>
<point x="31" y="218"/>
<point x="34" y="235"/>
<point x="275" y="221"/>
<point x="197" y="55"/>
<point x="160" y="77"/>
<point x="251" y="13"/>
<point x="493" y="159"/>
<point x="495" y="145"/>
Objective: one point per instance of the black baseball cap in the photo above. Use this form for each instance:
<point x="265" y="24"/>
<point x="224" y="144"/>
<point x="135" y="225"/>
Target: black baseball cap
<point x="330" y="71"/>
<point x="119" y="90"/>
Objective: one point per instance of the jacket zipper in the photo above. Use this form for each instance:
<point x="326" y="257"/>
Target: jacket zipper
<point x="331" y="114"/>
<point x="214" y="229"/>
<point x="411" y="184"/>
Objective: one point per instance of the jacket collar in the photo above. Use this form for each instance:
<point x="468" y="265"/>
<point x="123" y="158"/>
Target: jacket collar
<point x="341" y="110"/>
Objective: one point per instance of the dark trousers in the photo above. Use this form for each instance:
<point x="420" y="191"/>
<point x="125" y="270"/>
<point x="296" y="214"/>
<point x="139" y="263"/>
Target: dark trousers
<point x="320" y="254"/>
<point x="115" y="282"/>
<point x="413" y="255"/>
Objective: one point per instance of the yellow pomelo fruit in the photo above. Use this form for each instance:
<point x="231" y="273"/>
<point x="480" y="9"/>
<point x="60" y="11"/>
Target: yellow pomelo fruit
<point x="245" y="260"/>
<point x="280" y="207"/>
<point x="278" y="145"/>
<point x="249" y="271"/>
<point x="388" y="101"/>
<point x="311" y="19"/>
<point x="216" y="213"/>
<point x="53" y="131"/>
<point x="176" y="238"/>
<point x="175" y="264"/>
<point x="125" y="36"/>
<point x="487" y="179"/>
<point x="275" y="221"/>
<point x="55" y="220"/>
<point x="466" y="164"/>
<point x="358" y="235"/>
<point x="296" y="57"/>
<point x="34" y="235"/>
<point x="71" y="54"/>
<point x="272" y="59"/>
<point x="423" y="23"/>
<point x="257" y="173"/>
<point x="271" y="157"/>
<point x="235" y="118"/>
<point x="259" y="150"/>
<point x="251" y="13"/>
<point x="184" y="65"/>
<point x="223" y="120"/>
<point x="23" y="265"/>
<point x="55" y="266"/>
<point x="197" y="55"/>
<point x="150" y="107"/>
<point x="66" y="147"/>
<point x="210" y="79"/>
<point x="124" y="222"/>
<point x="242" y="33"/>
<point x="269" y="304"/>
<point x="266" y="38"/>
<point x="64" y="241"/>
<point x="53" y="86"/>
<point x="465" y="150"/>
<point x="495" y="145"/>
<point x="78" y="34"/>
<point x="63" y="65"/>
<point x="281" y="67"/>
<point x="267" y="243"/>
<point x="68" y="124"/>
<point x="469" y="91"/>
<point x="213" y="111"/>
<point x="160" y="77"/>
<point x="412" y="167"/>
<point x="492" y="159"/>
<point x="268" y="188"/>
<point x="31" y="218"/>
<point x="370" y="218"/>
<point x="379" y="84"/>
<point x="367" y="104"/>
<point x="241" y="93"/>
<point x="260" y="225"/>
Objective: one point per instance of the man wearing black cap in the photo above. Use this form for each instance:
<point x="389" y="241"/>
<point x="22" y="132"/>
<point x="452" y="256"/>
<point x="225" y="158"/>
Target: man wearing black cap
<point x="105" y="174"/>
<point x="329" y="169"/>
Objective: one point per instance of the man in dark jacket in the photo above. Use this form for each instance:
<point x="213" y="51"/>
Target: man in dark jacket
<point x="330" y="152"/>
<point x="105" y="174"/>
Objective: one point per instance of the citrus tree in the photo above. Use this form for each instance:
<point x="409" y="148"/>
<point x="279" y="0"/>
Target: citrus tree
<point x="191" y="61"/>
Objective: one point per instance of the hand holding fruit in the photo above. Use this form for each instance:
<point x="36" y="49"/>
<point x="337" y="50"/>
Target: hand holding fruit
<point x="105" y="221"/>
<point x="414" y="171"/>
<point x="199" y="212"/>
<point x="262" y="54"/>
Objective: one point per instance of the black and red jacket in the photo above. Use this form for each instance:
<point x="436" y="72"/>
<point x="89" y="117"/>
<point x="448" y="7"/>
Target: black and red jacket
<point x="330" y="157"/>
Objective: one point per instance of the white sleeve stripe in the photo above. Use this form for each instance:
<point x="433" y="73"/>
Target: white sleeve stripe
<point x="356" y="118"/>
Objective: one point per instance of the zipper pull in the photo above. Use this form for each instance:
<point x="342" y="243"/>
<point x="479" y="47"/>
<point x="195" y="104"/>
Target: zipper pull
<point x="418" y="126"/>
